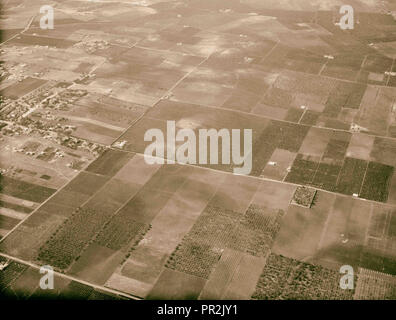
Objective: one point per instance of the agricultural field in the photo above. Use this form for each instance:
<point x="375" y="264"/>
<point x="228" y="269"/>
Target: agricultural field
<point x="374" y="285"/>
<point x="288" y="279"/>
<point x="78" y="193"/>
<point x="18" y="90"/>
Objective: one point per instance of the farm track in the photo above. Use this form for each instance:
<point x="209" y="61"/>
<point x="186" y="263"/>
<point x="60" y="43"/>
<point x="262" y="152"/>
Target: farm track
<point x="33" y="265"/>
<point x="62" y="275"/>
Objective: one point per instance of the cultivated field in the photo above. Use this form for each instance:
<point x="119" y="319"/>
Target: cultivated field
<point x="77" y="193"/>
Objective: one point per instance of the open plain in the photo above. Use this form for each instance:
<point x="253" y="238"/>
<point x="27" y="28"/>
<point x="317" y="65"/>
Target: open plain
<point x="77" y="194"/>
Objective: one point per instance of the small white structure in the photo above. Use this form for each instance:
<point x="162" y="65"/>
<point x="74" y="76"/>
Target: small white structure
<point x="120" y="144"/>
<point x="3" y="265"/>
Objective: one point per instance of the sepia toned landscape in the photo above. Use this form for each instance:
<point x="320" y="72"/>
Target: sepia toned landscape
<point x="77" y="193"/>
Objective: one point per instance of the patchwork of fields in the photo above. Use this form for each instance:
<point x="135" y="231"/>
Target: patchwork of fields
<point x="184" y="232"/>
<point x="77" y="194"/>
<point x="325" y="158"/>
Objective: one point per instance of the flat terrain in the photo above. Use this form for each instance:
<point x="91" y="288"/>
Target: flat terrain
<point x="77" y="194"/>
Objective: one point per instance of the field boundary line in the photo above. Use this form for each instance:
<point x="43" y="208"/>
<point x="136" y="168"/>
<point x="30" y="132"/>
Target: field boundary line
<point x="275" y="119"/>
<point x="360" y="68"/>
<point x="367" y="236"/>
<point x="364" y="178"/>
<point x="55" y="193"/>
<point x="325" y="227"/>
<point x="269" y="52"/>
<point x="62" y="187"/>
<point x="110" y="218"/>
<point x="22" y="31"/>
<point x="262" y="179"/>
<point x="302" y="116"/>
<point x="36" y="209"/>
<point x="161" y="98"/>
<point x="389" y="76"/>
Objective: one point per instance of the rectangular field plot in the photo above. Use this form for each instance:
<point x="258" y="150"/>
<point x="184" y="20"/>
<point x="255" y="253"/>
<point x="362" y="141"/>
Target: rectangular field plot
<point x="291" y="135"/>
<point x="86" y="183"/>
<point x="315" y="142"/>
<point x="21" y="282"/>
<point x="20" y="89"/>
<point x="379" y="222"/>
<point x="278" y="164"/>
<point x="377" y="182"/>
<point x="15" y="207"/>
<point x="97" y="263"/>
<point x="336" y="149"/>
<point x="274" y="112"/>
<point x="263" y="147"/>
<point x="288" y="279"/>
<point x="373" y="285"/>
<point x="235" y="193"/>
<point x="244" y="280"/>
<point x="95" y="132"/>
<point x="176" y="285"/>
<point x="278" y="98"/>
<point x="378" y="255"/>
<point x="67" y="243"/>
<point x="273" y="195"/>
<point x="27" y="40"/>
<point x="201" y="247"/>
<point x="77" y="291"/>
<point x="143" y="266"/>
<point x="120" y="231"/>
<point x="106" y="111"/>
<point x="24" y="285"/>
<point x="109" y="163"/>
<point x="10" y="274"/>
<point x="72" y="237"/>
<point x="24" y="190"/>
<point x="342" y="241"/>
<point x="292" y="115"/>
<point x="256" y="230"/>
<point x="220" y="277"/>
<point x="25" y="241"/>
<point x="301" y="228"/>
<point x="344" y="95"/>
<point x="168" y="178"/>
<point x="195" y="258"/>
<point x="137" y="170"/>
<point x="379" y="252"/>
<point x="144" y="206"/>
<point x="360" y="146"/>
<point x="276" y="135"/>
<point x="384" y="151"/>
<point x="7" y="223"/>
<point x="218" y="229"/>
<point x="310" y="118"/>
